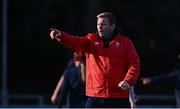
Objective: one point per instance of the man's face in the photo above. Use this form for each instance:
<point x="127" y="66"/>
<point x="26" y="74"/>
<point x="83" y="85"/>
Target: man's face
<point x="105" y="29"/>
<point x="77" y="63"/>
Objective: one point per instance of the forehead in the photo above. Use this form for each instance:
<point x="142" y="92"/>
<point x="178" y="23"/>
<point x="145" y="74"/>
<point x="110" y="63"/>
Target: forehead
<point x="102" y="20"/>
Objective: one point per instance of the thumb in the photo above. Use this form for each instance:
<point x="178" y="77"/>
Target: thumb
<point x="56" y="30"/>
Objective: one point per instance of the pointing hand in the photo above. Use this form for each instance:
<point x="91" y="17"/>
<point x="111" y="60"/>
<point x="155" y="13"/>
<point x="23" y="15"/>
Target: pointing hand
<point x="55" y="33"/>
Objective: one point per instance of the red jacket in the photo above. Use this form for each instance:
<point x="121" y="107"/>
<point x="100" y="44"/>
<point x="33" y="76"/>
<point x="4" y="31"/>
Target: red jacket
<point x="106" y="67"/>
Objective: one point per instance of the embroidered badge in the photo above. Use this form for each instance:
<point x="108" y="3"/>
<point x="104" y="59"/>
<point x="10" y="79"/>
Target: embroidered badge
<point x="96" y="43"/>
<point x="117" y="44"/>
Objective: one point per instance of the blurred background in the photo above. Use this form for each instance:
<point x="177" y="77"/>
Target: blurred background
<point x="33" y="63"/>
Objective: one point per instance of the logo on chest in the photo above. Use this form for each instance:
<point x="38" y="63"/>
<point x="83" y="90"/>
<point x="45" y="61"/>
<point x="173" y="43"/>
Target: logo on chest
<point x="117" y="44"/>
<point x="96" y="43"/>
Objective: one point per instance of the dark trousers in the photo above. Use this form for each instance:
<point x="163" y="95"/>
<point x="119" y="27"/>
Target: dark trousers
<point x="93" y="102"/>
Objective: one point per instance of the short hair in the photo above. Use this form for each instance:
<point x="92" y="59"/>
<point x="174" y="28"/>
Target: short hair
<point x="77" y="56"/>
<point x="109" y="15"/>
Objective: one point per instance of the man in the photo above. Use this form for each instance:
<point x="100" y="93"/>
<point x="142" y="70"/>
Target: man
<point x="112" y="63"/>
<point x="71" y="86"/>
<point x="172" y="78"/>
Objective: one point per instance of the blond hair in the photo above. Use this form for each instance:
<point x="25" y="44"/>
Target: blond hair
<point x="109" y="15"/>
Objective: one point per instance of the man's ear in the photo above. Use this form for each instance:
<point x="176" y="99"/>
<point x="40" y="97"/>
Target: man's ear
<point x="113" y="26"/>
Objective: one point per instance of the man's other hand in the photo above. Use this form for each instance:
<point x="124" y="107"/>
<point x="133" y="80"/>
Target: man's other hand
<point x="124" y="85"/>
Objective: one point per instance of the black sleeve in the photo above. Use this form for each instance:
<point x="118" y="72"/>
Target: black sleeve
<point x="170" y="77"/>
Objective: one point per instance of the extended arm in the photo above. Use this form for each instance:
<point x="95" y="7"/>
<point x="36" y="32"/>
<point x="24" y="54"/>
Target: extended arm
<point x="171" y="77"/>
<point x="74" y="43"/>
<point x="56" y="91"/>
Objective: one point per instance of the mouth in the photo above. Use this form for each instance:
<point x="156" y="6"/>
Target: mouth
<point x="101" y="32"/>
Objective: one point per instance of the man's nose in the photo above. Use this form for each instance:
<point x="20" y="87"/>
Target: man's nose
<point x="100" y="26"/>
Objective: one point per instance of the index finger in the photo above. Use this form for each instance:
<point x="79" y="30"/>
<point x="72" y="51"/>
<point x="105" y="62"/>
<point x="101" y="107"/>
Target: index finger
<point x="52" y="29"/>
<point x="56" y="30"/>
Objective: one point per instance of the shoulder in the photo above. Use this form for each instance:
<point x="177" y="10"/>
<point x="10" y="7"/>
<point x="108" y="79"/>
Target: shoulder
<point x="69" y="69"/>
<point x="71" y="72"/>
<point x="123" y="38"/>
<point x="92" y="36"/>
